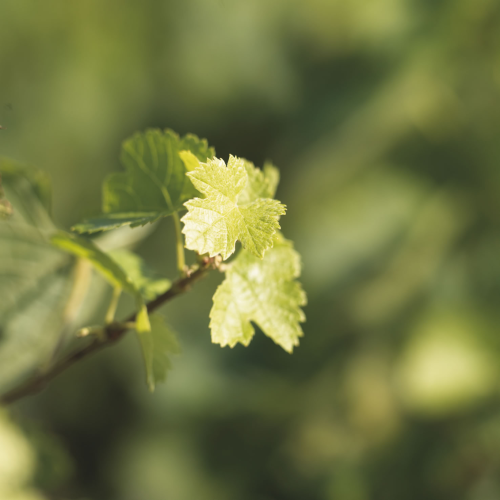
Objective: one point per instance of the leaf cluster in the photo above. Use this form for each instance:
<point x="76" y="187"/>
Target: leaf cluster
<point x="165" y="174"/>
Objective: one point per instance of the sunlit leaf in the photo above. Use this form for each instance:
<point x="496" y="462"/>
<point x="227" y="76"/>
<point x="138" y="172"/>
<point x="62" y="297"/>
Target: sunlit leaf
<point x="190" y="160"/>
<point x="263" y="291"/>
<point x="215" y="223"/>
<point x="261" y="183"/>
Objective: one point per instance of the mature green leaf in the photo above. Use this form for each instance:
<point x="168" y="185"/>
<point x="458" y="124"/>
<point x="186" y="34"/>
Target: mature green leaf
<point x="156" y="346"/>
<point x="38" y="179"/>
<point x="143" y="278"/>
<point x="30" y="331"/>
<point x="25" y="259"/>
<point x="28" y="190"/>
<point x="25" y="254"/>
<point x="155" y="173"/>
<point x="108" y="268"/>
<point x="154" y="184"/>
<point x="106" y="222"/>
<point x="35" y="280"/>
<point x="263" y="291"/>
<point x="214" y="224"/>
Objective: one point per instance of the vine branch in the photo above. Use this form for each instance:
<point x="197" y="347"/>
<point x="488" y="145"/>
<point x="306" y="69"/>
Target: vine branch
<point x="112" y="334"/>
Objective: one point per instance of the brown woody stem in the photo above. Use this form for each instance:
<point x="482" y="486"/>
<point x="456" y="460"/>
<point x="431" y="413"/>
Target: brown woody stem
<point x="112" y="334"/>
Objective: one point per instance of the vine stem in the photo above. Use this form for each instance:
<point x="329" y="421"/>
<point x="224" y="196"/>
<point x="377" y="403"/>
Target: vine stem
<point x="112" y="334"/>
<point x="181" y="260"/>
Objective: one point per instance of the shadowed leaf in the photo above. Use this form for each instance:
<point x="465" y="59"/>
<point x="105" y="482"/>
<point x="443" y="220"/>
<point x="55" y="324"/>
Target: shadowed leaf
<point x="154" y="184"/>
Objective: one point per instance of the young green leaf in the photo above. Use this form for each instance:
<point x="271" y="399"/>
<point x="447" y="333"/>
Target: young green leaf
<point x="108" y="268"/>
<point x="154" y="184"/>
<point x="261" y="183"/>
<point x="190" y="160"/>
<point x="215" y="223"/>
<point x="263" y="291"/>
<point x="156" y="346"/>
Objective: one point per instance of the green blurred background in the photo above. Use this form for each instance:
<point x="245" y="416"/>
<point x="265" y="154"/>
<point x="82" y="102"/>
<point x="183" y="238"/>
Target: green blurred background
<point x="383" y="116"/>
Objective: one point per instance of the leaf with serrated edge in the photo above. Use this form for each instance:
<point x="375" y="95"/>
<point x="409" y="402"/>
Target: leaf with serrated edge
<point x="154" y="184"/>
<point x="263" y="291"/>
<point x="215" y="223"/>
<point x="156" y="346"/>
<point x="261" y="183"/>
<point x="107" y="267"/>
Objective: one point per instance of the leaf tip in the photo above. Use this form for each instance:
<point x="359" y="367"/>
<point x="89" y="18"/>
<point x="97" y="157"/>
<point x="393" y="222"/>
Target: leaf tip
<point x="190" y="161"/>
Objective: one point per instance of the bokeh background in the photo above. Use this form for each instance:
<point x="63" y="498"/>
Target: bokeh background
<point x="383" y="117"/>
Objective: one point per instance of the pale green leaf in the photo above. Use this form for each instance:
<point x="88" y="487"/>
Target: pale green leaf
<point x="154" y="184"/>
<point x="190" y="160"/>
<point x="214" y="224"/>
<point x="261" y="183"/>
<point x="156" y="346"/>
<point x="107" y="267"/>
<point x="143" y="278"/>
<point x="263" y="291"/>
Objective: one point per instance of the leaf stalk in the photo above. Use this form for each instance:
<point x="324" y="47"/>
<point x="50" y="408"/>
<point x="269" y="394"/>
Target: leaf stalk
<point x="110" y="314"/>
